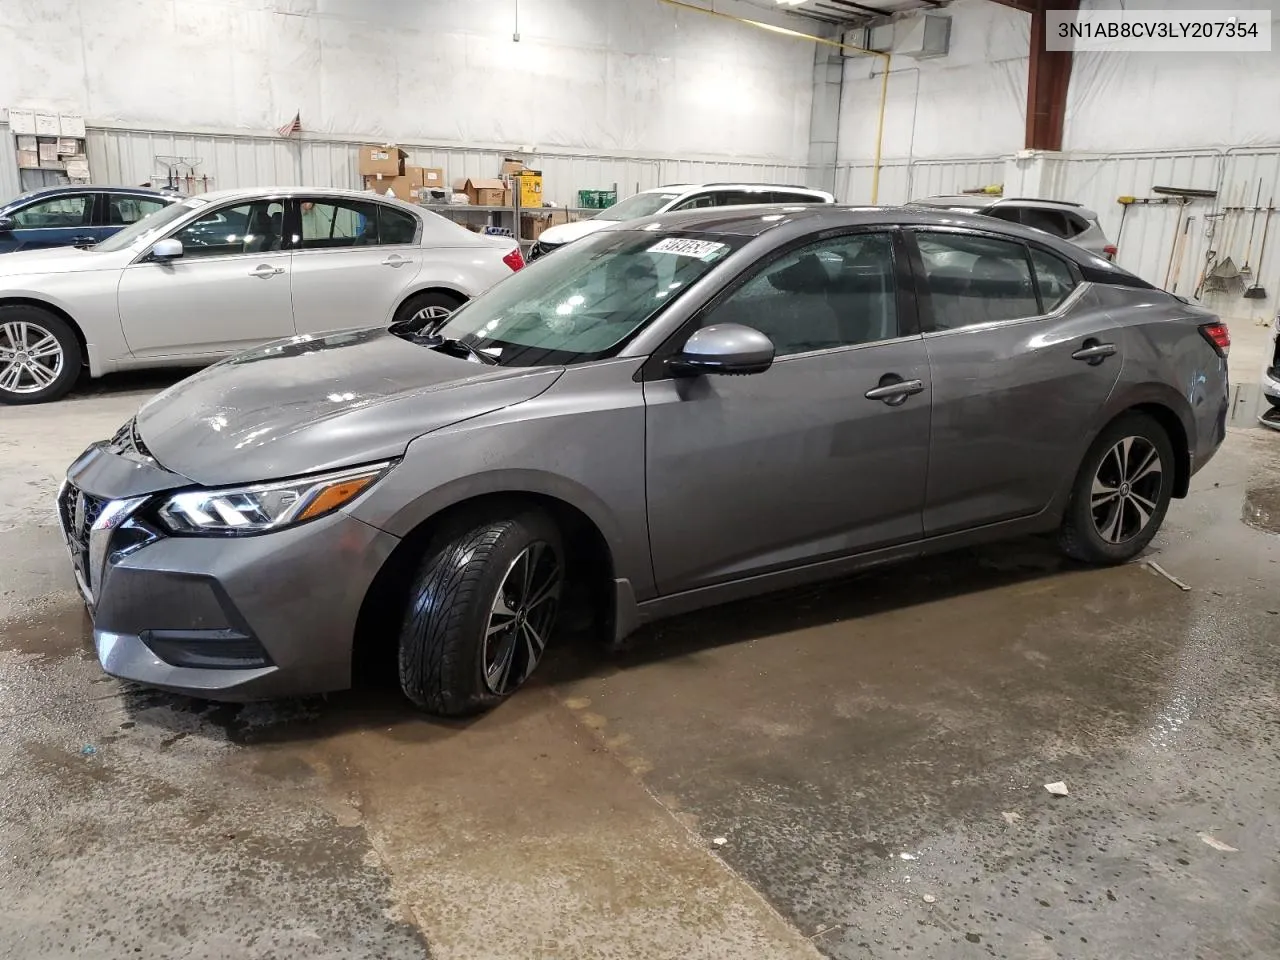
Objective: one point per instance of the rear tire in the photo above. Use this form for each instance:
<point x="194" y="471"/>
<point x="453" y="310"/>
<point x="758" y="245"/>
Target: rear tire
<point x="428" y="309"/>
<point x="480" y="612"/>
<point x="1121" y="494"/>
<point x="40" y="357"/>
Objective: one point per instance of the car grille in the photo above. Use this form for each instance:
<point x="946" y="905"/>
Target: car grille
<point x="540" y="249"/>
<point x="78" y="512"/>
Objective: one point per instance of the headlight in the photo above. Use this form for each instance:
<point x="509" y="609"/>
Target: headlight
<point x="266" y="506"/>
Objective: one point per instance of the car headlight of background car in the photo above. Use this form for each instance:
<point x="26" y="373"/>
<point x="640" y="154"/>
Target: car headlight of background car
<point x="261" y="507"/>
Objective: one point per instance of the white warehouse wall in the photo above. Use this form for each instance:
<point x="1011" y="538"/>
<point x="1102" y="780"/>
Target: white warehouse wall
<point x="631" y="77"/>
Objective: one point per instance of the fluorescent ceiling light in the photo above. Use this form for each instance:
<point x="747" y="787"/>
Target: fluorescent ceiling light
<point x="790" y="3"/>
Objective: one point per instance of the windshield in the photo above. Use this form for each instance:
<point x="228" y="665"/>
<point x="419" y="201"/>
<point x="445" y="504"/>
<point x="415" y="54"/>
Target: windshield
<point x="586" y="300"/>
<point x="149" y="226"/>
<point x="633" y="208"/>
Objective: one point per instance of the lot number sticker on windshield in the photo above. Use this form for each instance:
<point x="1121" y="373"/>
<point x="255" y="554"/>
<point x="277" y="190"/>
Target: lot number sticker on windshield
<point x="701" y="249"/>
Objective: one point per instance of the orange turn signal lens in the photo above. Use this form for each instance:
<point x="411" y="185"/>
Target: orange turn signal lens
<point x="330" y="498"/>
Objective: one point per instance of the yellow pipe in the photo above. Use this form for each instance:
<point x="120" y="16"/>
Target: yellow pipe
<point x="884" y="85"/>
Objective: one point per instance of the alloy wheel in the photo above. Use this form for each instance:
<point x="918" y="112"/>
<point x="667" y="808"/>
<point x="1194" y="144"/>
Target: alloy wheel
<point x="521" y="618"/>
<point x="431" y="315"/>
<point x="31" y="357"/>
<point x="1126" y="489"/>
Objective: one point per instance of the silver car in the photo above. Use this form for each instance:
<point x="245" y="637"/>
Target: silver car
<point x="1061" y="218"/>
<point x="670" y="414"/>
<point x="217" y="273"/>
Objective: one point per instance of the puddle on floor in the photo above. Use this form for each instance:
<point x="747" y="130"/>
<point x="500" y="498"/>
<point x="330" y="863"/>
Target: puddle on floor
<point x="1262" y="506"/>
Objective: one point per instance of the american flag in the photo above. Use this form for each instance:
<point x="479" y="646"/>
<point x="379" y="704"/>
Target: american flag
<point x="292" y="127"/>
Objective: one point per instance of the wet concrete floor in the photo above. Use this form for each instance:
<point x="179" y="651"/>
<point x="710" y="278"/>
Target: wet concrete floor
<point x="871" y="752"/>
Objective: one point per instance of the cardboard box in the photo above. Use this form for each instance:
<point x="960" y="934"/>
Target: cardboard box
<point x="511" y="167"/>
<point x="530" y="188"/>
<point x="402" y="188"/>
<point x="386" y="159"/>
<point x="48" y="152"/>
<point x="28" y="143"/>
<point x="486" y="191"/>
<point x="433" y="177"/>
<point x="415" y="174"/>
<point x="28" y="159"/>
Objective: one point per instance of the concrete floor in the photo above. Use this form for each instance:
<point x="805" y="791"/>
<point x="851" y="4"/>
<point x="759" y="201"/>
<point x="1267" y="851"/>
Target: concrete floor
<point x="873" y="753"/>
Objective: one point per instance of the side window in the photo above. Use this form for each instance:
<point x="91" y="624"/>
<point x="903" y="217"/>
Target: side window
<point x="1076" y="224"/>
<point x="834" y="293"/>
<point x="345" y="223"/>
<point x="71" y="210"/>
<point x="785" y="196"/>
<point x="1011" y="214"/>
<point x="1050" y="221"/>
<point x="245" y="228"/>
<point x="123" y="209"/>
<point x="737" y="198"/>
<point x="974" y="280"/>
<point x="395" y="226"/>
<point x="696" y="202"/>
<point x="1054" y="277"/>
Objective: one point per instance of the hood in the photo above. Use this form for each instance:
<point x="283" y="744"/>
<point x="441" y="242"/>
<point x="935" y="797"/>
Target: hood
<point x="567" y="232"/>
<point x="59" y="260"/>
<point x="308" y="404"/>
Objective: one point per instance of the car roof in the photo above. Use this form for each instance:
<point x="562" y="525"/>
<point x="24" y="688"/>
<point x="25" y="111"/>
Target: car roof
<point x="734" y="185"/>
<point x="93" y="188"/>
<point x="972" y="201"/>
<point x="254" y="193"/>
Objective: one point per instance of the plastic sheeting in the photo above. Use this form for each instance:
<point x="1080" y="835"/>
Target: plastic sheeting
<point x="634" y="76"/>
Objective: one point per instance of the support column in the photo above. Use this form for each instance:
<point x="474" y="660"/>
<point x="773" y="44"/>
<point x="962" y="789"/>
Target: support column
<point x="1048" y="76"/>
<point x="824" y="116"/>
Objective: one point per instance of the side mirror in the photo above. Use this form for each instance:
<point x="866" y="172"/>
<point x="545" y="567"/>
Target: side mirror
<point x="169" y="249"/>
<point x="724" y="348"/>
<point x="7" y="224"/>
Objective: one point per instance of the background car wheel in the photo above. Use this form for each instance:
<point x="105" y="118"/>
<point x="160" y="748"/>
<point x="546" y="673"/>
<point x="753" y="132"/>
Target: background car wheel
<point x="428" y="309"/>
<point x="1121" y="494"/>
<point x="480" y="612"/>
<point x="40" y="356"/>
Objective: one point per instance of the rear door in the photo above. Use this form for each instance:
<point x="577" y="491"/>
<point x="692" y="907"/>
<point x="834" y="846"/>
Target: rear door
<point x="118" y="210"/>
<point x="57" y="221"/>
<point x="352" y="262"/>
<point x="1021" y="361"/>
<point x="751" y="474"/>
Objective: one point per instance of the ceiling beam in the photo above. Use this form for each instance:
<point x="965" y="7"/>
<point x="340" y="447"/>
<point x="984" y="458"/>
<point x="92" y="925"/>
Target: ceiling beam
<point x="861" y="8"/>
<point x="1048" y="77"/>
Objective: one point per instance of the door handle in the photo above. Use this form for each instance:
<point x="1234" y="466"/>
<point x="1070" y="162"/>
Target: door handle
<point x="265" y="270"/>
<point x="1093" y="352"/>
<point x="83" y="241"/>
<point x="893" y="390"/>
<point x="395" y="260"/>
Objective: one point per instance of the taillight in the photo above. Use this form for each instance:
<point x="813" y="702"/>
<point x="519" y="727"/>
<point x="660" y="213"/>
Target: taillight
<point x="513" y="259"/>
<point x="1110" y="250"/>
<point x="1219" y="337"/>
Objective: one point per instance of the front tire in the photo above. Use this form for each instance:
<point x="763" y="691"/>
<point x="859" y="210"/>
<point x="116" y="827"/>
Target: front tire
<point x="480" y="612"/>
<point x="1121" y="493"/>
<point x="40" y="356"/>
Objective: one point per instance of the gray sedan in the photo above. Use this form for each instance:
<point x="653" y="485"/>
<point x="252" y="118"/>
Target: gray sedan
<point x="669" y="414"/>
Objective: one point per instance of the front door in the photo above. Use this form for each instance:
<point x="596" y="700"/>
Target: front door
<point x="228" y="291"/>
<point x="352" y="263"/>
<point x="62" y="220"/>
<point x="1020" y="364"/>
<point x="750" y="474"/>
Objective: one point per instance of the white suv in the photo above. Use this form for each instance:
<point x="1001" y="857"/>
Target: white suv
<point x="677" y="196"/>
<point x="1058" y="217"/>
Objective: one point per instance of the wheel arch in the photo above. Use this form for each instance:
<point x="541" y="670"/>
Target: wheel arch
<point x="589" y="562"/>
<point x="430" y="287"/>
<point x="57" y="311"/>
<point x="1168" y="408"/>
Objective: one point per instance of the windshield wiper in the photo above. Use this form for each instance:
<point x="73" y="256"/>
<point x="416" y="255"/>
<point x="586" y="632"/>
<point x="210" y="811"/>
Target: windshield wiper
<point x="455" y="346"/>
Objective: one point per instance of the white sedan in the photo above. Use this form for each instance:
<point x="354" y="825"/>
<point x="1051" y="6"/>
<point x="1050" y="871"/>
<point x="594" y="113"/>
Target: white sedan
<point x="224" y="271"/>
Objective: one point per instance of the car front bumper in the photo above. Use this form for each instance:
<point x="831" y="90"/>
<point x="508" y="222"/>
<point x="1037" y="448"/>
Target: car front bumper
<point x="225" y="618"/>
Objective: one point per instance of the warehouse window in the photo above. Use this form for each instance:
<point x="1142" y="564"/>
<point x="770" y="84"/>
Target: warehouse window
<point x="835" y="293"/>
<point x="975" y="280"/>
<point x="63" y="211"/>
<point x="1054" y="277"/>
<point x="245" y="228"/>
<point x="124" y="209"/>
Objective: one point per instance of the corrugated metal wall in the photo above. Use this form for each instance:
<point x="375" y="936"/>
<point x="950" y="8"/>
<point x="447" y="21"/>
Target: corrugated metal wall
<point x="131" y="156"/>
<point x="902" y="180"/>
